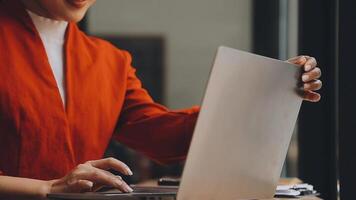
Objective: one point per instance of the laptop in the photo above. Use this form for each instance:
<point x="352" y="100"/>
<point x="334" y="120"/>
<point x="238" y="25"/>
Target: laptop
<point x="242" y="134"/>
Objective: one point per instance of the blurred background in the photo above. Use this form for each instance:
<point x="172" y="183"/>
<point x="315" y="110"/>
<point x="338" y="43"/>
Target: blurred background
<point x="173" y="44"/>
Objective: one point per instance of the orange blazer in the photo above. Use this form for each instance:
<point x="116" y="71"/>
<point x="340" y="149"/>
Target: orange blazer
<point x="40" y="138"/>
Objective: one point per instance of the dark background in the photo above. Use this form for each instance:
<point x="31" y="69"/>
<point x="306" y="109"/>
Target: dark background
<point x="327" y="132"/>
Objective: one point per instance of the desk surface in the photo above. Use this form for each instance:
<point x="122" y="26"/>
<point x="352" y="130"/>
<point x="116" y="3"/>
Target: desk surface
<point x="304" y="198"/>
<point x="283" y="181"/>
<point x="93" y="196"/>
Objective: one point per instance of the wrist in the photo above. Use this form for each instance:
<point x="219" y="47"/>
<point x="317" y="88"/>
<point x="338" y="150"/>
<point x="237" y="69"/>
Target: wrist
<point x="45" y="188"/>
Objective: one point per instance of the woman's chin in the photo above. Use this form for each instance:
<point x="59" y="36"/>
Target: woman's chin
<point x="73" y="17"/>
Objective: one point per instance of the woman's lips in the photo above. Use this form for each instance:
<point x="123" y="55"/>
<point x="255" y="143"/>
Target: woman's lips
<point x="77" y="3"/>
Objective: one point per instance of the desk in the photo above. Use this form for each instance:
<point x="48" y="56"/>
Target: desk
<point x="95" y="196"/>
<point x="283" y="181"/>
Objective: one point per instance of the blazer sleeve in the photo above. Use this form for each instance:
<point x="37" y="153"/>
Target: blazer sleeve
<point x="152" y="129"/>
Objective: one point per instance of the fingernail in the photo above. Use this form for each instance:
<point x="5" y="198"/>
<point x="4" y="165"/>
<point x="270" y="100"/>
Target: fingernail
<point x="129" y="172"/>
<point x="128" y="188"/>
<point x="305" y="77"/>
<point x="302" y="59"/>
<point x="307" y="67"/>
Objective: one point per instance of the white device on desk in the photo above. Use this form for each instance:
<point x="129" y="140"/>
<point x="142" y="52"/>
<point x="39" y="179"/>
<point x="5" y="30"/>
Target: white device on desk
<point x="244" y="128"/>
<point x="243" y="131"/>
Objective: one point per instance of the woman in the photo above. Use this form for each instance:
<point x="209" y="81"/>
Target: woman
<point x="64" y="95"/>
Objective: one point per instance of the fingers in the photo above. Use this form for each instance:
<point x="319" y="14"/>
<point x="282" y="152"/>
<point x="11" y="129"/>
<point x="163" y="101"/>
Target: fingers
<point x="311" y="96"/>
<point x="310" y="64"/>
<point x="99" y="176"/>
<point x="299" y="60"/>
<point x="82" y="186"/>
<point x="102" y="188"/>
<point x="307" y="62"/>
<point x="313" y="85"/>
<point x="91" y="175"/>
<point x="311" y="75"/>
<point x="111" y="163"/>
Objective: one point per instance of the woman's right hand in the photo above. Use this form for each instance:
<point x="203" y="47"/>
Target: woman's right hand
<point x="91" y="175"/>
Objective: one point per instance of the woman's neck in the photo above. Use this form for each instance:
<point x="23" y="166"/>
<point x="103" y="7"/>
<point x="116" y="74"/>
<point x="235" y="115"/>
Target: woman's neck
<point x="35" y="7"/>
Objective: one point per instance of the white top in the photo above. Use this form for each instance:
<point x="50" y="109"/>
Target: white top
<point x="52" y="33"/>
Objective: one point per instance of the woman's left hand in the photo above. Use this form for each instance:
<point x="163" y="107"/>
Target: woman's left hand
<point x="310" y="77"/>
